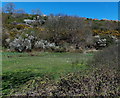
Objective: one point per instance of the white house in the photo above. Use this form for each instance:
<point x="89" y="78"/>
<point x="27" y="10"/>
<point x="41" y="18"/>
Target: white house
<point x="28" y="21"/>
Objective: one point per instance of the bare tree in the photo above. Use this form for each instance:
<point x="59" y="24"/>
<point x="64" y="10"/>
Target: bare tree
<point x="69" y="29"/>
<point x="19" y="13"/>
<point x="9" y="8"/>
<point x="37" y="12"/>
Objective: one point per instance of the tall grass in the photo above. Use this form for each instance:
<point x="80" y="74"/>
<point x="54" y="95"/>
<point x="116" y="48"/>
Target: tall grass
<point x="107" y="58"/>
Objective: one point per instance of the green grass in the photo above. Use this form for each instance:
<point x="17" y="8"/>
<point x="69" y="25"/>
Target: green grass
<point x="43" y="62"/>
<point x="19" y="68"/>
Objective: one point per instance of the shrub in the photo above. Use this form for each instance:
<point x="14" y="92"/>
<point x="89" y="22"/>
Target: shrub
<point x="4" y="37"/>
<point x="19" y="44"/>
<point x="23" y="42"/>
<point x="44" y="44"/>
<point x="106" y="58"/>
<point x="102" y="41"/>
<point x="72" y="30"/>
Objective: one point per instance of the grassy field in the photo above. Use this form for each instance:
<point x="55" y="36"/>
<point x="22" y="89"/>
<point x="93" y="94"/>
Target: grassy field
<point x="44" y="62"/>
<point x="18" y="68"/>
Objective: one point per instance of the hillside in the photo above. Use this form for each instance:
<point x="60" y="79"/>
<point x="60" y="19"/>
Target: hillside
<point x="58" y="55"/>
<point x="57" y="33"/>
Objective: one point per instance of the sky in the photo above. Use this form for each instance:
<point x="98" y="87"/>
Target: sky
<point x="61" y="0"/>
<point x="99" y="10"/>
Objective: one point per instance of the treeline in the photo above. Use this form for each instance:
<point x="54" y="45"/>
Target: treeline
<point x="65" y="32"/>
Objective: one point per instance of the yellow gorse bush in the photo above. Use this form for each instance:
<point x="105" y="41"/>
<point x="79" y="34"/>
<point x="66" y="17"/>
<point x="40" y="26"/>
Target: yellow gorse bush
<point x="111" y="32"/>
<point x="22" y="26"/>
<point x="12" y="34"/>
<point x="40" y="29"/>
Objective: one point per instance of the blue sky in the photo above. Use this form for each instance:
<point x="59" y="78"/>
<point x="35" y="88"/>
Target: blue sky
<point x="61" y="0"/>
<point x="100" y="10"/>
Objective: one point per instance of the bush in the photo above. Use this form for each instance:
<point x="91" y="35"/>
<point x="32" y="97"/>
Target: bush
<point x="4" y="37"/>
<point x="44" y="44"/>
<point x="20" y="44"/>
<point x="106" y="58"/>
<point x="23" y="42"/>
<point x="72" y="30"/>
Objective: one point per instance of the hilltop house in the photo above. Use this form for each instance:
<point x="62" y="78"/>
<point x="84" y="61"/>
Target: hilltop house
<point x="28" y="21"/>
<point x="36" y="19"/>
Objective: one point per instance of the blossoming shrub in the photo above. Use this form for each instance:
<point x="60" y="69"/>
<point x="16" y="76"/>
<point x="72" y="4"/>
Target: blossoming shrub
<point x="22" y="43"/>
<point x="29" y="42"/>
<point x="44" y="44"/>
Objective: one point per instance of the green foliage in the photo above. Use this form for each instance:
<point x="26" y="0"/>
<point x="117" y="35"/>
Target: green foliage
<point x="68" y="29"/>
<point x="19" y="68"/>
<point x="14" y="79"/>
<point x="60" y="73"/>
